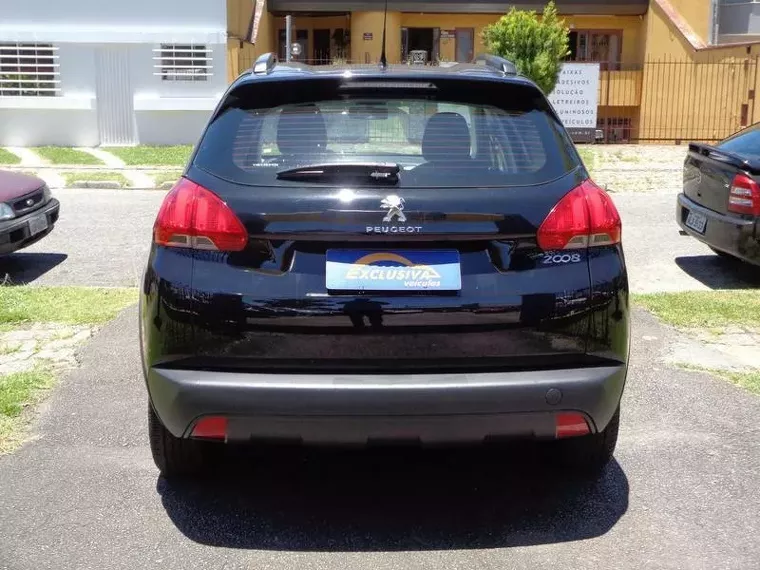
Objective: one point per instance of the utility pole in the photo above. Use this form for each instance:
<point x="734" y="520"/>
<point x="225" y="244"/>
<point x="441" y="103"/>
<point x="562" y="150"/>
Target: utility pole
<point x="288" y="38"/>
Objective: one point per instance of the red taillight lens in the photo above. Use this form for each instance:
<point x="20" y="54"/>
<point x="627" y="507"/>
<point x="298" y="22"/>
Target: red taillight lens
<point x="744" y="196"/>
<point x="584" y="217"/>
<point x="194" y="217"/>
<point x="211" y="427"/>
<point x="570" y="425"/>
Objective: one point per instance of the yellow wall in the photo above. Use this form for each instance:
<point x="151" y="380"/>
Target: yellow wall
<point x="450" y="22"/>
<point x="372" y="23"/>
<point x="663" y="97"/>
<point x="309" y="23"/>
<point x="696" y="13"/>
<point x="240" y="53"/>
<point x="238" y="17"/>
<point x="681" y="85"/>
<point x="630" y="25"/>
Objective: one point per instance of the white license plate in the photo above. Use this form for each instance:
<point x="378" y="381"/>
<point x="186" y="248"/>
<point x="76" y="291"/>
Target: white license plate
<point x="696" y="222"/>
<point x="37" y="225"/>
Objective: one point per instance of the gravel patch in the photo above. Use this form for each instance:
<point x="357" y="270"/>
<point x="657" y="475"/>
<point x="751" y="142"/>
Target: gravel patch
<point x="654" y="169"/>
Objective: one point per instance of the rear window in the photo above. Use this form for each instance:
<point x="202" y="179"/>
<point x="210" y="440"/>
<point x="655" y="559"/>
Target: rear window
<point x="746" y="142"/>
<point x="435" y="143"/>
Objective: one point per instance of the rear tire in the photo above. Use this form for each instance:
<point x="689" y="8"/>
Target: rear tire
<point x="587" y="456"/>
<point x="175" y="457"/>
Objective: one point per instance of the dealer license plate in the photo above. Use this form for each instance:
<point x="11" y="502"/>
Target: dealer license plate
<point x="400" y="270"/>
<point x="38" y="224"/>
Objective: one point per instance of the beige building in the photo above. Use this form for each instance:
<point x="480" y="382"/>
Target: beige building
<point x="668" y="73"/>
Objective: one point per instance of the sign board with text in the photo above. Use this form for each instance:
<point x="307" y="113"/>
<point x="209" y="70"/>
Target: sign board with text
<point x="576" y="97"/>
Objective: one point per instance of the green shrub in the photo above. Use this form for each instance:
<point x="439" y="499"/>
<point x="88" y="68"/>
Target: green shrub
<point x="536" y="45"/>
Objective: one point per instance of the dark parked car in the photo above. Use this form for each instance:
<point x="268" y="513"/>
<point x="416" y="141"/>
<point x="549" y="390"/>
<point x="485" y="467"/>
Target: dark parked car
<point x="380" y="255"/>
<point x="28" y="212"/>
<point x="720" y="202"/>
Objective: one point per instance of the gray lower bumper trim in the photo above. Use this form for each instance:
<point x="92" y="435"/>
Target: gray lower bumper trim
<point x="259" y="403"/>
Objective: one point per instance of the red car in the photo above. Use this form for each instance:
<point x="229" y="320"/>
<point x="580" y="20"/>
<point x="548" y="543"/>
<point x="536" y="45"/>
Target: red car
<point x="28" y="211"/>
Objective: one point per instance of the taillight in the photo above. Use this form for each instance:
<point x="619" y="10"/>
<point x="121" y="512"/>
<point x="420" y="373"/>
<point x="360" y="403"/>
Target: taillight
<point x="744" y="196"/>
<point x="584" y="217"/>
<point x="194" y="217"/>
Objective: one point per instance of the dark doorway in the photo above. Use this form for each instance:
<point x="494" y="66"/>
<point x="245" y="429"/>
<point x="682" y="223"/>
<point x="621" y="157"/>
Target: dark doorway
<point x="420" y="40"/>
<point x="299" y="36"/>
<point x="322" y="47"/>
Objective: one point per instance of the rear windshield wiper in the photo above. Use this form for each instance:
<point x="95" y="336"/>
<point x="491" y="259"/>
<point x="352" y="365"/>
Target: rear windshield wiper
<point x="367" y="172"/>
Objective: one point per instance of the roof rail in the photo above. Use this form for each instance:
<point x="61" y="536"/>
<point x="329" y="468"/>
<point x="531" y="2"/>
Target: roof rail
<point x="496" y="62"/>
<point x="264" y="64"/>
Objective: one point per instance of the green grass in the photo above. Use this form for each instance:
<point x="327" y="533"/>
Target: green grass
<point x="7" y="157"/>
<point x="748" y="380"/>
<point x="9" y="349"/>
<point x="705" y="309"/>
<point x="627" y="157"/>
<point x="68" y="305"/>
<point x="153" y="155"/>
<point x="65" y="155"/>
<point x="18" y="391"/>
<point x="23" y="305"/>
<point x="161" y="177"/>
<point x="95" y="176"/>
<point x="588" y="155"/>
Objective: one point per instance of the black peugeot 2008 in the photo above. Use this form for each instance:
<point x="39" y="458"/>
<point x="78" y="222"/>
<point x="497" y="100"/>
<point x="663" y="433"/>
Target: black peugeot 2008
<point x="361" y="255"/>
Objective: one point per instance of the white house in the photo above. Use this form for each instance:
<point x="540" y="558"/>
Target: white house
<point x="108" y="72"/>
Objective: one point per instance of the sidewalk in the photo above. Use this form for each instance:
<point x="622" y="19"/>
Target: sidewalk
<point x="139" y="168"/>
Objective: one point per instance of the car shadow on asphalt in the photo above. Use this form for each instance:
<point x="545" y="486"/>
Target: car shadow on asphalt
<point x="22" y="268"/>
<point x="720" y="273"/>
<point x="392" y="500"/>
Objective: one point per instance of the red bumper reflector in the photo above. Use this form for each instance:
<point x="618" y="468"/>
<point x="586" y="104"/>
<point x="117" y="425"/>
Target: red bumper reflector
<point x="571" y="425"/>
<point x="211" y="427"/>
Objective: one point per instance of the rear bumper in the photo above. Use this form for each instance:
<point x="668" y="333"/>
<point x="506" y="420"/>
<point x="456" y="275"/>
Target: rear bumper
<point x="730" y="234"/>
<point x="357" y="409"/>
<point x="15" y="234"/>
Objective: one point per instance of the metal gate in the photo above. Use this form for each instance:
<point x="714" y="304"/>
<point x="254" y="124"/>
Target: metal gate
<point x="677" y="101"/>
<point x="116" y="116"/>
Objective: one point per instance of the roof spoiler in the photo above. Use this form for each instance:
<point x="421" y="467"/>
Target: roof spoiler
<point x="496" y="62"/>
<point x="748" y="164"/>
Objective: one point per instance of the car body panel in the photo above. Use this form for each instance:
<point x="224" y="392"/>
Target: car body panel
<point x="16" y="184"/>
<point x="35" y="211"/>
<point x="708" y="174"/>
<point x="256" y="335"/>
<point x="298" y="406"/>
<point x="730" y="234"/>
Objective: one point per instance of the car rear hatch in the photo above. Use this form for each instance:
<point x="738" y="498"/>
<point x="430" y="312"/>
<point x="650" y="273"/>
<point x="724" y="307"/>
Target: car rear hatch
<point x="721" y="179"/>
<point x="398" y="227"/>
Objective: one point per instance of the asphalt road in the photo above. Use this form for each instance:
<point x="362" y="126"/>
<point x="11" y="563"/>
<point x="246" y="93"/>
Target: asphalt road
<point x="104" y="235"/>
<point x="681" y="494"/>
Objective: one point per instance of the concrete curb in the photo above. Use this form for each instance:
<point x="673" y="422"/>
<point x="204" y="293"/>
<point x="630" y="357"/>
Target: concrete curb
<point x="104" y="184"/>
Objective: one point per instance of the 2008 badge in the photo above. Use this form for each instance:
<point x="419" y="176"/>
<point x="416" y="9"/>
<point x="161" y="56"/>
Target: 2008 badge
<point x="552" y="258"/>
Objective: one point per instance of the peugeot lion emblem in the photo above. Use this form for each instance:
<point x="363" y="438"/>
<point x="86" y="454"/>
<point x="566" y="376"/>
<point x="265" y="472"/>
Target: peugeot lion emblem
<point x="395" y="205"/>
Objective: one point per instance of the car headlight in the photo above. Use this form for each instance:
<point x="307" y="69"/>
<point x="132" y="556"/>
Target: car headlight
<point x="6" y="212"/>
